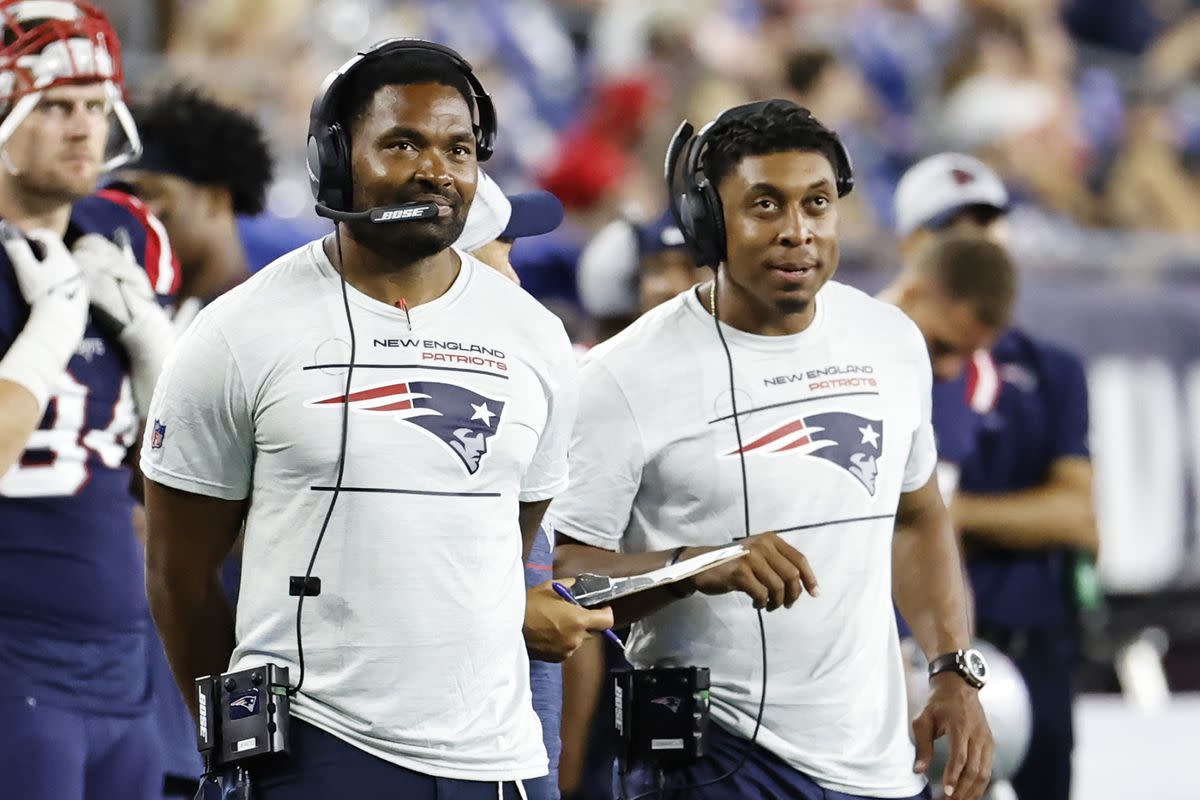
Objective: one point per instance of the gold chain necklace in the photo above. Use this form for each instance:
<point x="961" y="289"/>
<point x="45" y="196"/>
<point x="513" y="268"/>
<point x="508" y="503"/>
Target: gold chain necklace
<point x="712" y="298"/>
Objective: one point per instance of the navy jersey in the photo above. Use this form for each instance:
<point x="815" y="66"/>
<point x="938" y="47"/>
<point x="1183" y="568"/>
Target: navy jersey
<point x="71" y="576"/>
<point x="1041" y="416"/>
<point x="959" y="409"/>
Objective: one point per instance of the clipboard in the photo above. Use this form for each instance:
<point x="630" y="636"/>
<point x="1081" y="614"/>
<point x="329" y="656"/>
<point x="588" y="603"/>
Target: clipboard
<point x="591" y="590"/>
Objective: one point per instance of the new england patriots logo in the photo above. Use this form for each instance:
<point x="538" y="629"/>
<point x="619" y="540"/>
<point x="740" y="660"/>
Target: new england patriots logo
<point x="243" y="704"/>
<point x="852" y="442"/>
<point x="460" y="418"/>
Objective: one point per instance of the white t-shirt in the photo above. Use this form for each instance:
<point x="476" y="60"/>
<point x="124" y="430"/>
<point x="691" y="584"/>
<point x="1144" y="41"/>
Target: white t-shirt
<point x="413" y="650"/>
<point x="835" y="424"/>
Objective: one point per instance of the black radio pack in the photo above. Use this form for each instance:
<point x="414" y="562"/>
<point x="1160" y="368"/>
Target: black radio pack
<point x="243" y="715"/>
<point x="661" y="714"/>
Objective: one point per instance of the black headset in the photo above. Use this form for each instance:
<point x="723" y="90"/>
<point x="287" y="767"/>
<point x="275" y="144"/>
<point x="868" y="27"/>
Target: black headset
<point x="697" y="208"/>
<point x="328" y="145"/>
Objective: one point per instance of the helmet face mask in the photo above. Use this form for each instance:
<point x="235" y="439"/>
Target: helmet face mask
<point x="51" y="43"/>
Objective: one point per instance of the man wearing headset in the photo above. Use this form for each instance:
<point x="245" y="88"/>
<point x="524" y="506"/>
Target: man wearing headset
<point x="774" y="399"/>
<point x="430" y="459"/>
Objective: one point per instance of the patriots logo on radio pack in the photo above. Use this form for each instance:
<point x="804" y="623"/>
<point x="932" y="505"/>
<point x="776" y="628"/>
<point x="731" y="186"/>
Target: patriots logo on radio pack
<point x="460" y="418"/>
<point x="243" y="704"/>
<point x="850" y="441"/>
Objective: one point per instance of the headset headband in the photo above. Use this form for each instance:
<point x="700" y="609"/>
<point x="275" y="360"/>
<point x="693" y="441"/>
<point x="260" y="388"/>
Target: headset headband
<point x="324" y="108"/>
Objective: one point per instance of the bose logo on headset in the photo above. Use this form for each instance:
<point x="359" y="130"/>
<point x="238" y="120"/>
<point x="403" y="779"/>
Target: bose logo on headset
<point x="697" y="209"/>
<point x="400" y="213"/>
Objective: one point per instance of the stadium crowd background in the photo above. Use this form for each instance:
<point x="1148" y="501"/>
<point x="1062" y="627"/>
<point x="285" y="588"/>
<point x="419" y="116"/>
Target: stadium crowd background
<point x="1089" y="110"/>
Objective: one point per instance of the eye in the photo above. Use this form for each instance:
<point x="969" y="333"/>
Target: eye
<point x="765" y="204"/>
<point x="54" y="107"/>
<point x="820" y="202"/>
<point x="461" y="150"/>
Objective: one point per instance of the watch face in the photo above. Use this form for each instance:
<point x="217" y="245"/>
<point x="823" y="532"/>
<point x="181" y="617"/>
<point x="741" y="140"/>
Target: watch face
<point x="976" y="665"/>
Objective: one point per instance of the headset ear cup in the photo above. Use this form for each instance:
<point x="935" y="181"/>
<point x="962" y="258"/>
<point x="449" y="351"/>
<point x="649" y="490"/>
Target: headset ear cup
<point x="312" y="160"/>
<point x="323" y="169"/>
<point x="329" y="168"/>
<point x="339" y="167"/>
<point x="715" y="214"/>
<point x="695" y="226"/>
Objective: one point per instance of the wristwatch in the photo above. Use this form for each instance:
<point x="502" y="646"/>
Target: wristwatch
<point x="970" y="664"/>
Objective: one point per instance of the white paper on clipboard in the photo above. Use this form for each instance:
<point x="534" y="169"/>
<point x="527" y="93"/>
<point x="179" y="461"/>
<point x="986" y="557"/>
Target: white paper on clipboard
<point x="597" y="590"/>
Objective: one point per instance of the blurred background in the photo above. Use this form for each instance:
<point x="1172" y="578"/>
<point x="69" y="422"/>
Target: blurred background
<point x="1089" y="109"/>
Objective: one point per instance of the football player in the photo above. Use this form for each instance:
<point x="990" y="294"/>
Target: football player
<point x="82" y="338"/>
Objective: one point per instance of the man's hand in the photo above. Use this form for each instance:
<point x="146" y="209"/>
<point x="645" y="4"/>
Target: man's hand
<point x="125" y="304"/>
<point x="953" y="710"/>
<point x="555" y="628"/>
<point x="774" y="573"/>
<point x="51" y="283"/>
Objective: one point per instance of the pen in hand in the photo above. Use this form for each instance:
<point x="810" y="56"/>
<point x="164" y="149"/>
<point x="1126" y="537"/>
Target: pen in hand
<point x="565" y="594"/>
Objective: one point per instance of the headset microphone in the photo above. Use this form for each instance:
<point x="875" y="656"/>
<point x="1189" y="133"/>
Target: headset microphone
<point x="403" y="213"/>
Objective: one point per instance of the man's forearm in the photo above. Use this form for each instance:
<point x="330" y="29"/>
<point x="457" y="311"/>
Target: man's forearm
<point x="1033" y="519"/>
<point x="196" y="627"/>
<point x="529" y="518"/>
<point x="927" y="580"/>
<point x="19" y="417"/>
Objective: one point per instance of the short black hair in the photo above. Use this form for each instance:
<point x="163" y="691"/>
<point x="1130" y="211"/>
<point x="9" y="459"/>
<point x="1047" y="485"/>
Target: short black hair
<point x="403" y="68"/>
<point x="193" y="136"/>
<point x="971" y="268"/>
<point x="778" y="127"/>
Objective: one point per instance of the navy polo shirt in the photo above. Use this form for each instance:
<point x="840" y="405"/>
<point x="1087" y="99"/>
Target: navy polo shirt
<point x="959" y="409"/>
<point x="1041" y="416"/>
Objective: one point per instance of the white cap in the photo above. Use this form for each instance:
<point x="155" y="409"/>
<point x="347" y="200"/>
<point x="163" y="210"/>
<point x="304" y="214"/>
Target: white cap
<point x="938" y="187"/>
<point x="607" y="273"/>
<point x="488" y="216"/>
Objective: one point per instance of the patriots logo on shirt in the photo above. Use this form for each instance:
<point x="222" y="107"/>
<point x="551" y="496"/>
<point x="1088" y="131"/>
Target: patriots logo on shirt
<point x="850" y="441"/>
<point x="460" y="418"/>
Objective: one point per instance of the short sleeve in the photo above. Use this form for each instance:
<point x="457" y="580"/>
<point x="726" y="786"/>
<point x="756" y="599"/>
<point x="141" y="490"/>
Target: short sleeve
<point x="199" y="433"/>
<point x="922" y="450"/>
<point x="1069" y="406"/>
<point x="547" y="473"/>
<point x="606" y="464"/>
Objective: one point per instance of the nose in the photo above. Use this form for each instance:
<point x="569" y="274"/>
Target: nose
<point x="79" y="121"/>
<point x="431" y="168"/>
<point x="796" y="230"/>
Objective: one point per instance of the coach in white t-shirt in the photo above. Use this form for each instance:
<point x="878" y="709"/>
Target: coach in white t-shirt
<point x="452" y="424"/>
<point x="829" y="417"/>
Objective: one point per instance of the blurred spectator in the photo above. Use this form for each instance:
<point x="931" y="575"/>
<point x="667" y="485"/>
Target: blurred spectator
<point x="1147" y="187"/>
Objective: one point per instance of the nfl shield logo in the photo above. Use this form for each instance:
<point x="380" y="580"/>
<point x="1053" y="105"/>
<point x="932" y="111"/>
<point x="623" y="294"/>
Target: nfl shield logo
<point x="156" y="436"/>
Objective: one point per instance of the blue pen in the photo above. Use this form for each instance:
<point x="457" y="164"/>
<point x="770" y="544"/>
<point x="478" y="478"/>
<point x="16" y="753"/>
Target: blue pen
<point x="565" y="594"/>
